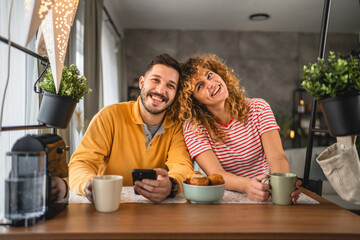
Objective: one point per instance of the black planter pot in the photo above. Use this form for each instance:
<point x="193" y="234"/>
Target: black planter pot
<point x="55" y="110"/>
<point x="342" y="114"/>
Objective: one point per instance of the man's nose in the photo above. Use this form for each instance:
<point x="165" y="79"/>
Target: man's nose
<point x="160" y="88"/>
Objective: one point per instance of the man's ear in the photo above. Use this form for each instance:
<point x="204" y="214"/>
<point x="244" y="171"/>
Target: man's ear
<point x="141" y="81"/>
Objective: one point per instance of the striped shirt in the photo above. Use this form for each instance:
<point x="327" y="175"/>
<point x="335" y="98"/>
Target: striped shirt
<point x="242" y="153"/>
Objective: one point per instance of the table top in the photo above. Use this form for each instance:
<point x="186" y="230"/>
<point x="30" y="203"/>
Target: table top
<point x="195" y="221"/>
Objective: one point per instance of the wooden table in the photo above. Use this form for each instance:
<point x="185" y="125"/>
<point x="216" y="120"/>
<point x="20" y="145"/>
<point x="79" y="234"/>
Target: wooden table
<point x="193" y="221"/>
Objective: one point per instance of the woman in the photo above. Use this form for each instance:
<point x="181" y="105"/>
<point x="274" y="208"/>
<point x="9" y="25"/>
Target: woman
<point x="227" y="133"/>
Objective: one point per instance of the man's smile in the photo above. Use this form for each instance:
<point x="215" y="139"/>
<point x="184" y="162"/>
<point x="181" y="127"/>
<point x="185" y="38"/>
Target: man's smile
<point x="158" y="97"/>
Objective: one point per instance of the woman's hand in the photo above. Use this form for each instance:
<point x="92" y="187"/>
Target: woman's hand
<point x="257" y="191"/>
<point x="296" y="193"/>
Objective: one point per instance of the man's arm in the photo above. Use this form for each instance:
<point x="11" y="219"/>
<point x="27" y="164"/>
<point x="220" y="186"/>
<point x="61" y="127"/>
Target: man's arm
<point x="179" y="165"/>
<point x="178" y="161"/>
<point x="91" y="154"/>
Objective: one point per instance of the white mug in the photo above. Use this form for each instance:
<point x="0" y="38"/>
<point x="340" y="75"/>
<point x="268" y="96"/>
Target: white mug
<point x="106" y="191"/>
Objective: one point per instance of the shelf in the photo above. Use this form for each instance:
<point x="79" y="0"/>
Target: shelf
<point x="302" y="106"/>
<point x="133" y="93"/>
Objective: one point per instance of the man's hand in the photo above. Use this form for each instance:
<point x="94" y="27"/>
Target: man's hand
<point x="88" y="190"/>
<point x="155" y="190"/>
<point x="257" y="191"/>
<point x="58" y="188"/>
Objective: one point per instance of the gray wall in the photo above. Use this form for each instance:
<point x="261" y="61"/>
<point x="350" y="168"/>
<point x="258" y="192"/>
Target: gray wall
<point x="268" y="63"/>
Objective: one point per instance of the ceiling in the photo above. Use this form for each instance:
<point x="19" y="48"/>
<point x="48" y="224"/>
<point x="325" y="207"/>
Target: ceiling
<point x="285" y="15"/>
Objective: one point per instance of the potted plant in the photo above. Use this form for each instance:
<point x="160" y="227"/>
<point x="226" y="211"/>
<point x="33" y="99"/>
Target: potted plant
<point x="336" y="85"/>
<point x="57" y="108"/>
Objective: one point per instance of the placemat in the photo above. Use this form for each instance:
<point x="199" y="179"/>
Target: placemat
<point x="128" y="196"/>
<point x="236" y="197"/>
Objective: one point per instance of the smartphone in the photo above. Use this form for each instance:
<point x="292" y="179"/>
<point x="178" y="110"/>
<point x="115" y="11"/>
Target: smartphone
<point x="140" y="174"/>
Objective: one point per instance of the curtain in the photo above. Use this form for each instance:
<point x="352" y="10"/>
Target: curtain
<point x="92" y="57"/>
<point x="109" y="42"/>
<point x="123" y="83"/>
<point x="113" y="65"/>
<point x="76" y="56"/>
<point x="65" y="133"/>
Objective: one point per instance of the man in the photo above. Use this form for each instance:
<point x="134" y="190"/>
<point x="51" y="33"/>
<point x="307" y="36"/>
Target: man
<point x="141" y="134"/>
<point x="59" y="188"/>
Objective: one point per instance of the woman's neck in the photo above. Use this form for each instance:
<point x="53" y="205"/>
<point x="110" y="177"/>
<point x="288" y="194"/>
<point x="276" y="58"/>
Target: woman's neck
<point x="220" y="114"/>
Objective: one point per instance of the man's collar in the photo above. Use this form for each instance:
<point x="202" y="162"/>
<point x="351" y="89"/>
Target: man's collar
<point x="138" y="120"/>
<point x="136" y="112"/>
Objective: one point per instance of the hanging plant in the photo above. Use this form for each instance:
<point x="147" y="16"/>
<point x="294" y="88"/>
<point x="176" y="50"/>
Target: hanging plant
<point x="56" y="109"/>
<point x="72" y="84"/>
<point x="338" y="77"/>
<point x="336" y="85"/>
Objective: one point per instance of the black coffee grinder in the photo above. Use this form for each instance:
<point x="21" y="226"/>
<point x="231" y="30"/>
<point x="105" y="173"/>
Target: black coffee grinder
<point x="34" y="159"/>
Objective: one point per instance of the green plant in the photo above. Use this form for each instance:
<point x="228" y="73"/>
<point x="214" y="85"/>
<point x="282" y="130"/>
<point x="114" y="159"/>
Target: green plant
<point x="336" y="78"/>
<point x="72" y="85"/>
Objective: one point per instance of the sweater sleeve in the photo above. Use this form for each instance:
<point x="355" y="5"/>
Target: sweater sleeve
<point x="91" y="155"/>
<point x="178" y="160"/>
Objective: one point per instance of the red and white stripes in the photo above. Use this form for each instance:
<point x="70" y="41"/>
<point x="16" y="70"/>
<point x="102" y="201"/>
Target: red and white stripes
<point x="242" y="152"/>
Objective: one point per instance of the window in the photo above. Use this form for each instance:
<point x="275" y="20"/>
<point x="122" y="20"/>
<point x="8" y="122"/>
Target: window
<point x="109" y="49"/>
<point x="21" y="102"/>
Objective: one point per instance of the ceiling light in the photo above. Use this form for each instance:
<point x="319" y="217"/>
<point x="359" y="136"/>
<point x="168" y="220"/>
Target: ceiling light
<point x="259" y="17"/>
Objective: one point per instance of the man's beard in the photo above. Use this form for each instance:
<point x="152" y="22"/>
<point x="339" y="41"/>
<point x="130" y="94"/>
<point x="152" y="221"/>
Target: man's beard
<point x="148" y="108"/>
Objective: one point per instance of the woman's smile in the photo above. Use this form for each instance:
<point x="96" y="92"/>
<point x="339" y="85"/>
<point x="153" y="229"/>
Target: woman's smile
<point x="210" y="88"/>
<point x="217" y="90"/>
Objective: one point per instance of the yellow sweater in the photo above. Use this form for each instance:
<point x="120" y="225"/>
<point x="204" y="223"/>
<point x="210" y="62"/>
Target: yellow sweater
<point x="115" y="144"/>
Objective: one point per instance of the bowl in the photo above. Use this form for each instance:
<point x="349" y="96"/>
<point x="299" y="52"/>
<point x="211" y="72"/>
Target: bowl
<point x="203" y="194"/>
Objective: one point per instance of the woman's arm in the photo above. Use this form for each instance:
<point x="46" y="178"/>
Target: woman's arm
<point x="276" y="157"/>
<point x="255" y="190"/>
<point x="274" y="151"/>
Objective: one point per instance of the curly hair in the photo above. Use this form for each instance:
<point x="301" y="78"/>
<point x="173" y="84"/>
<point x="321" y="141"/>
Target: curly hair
<point x="190" y="109"/>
